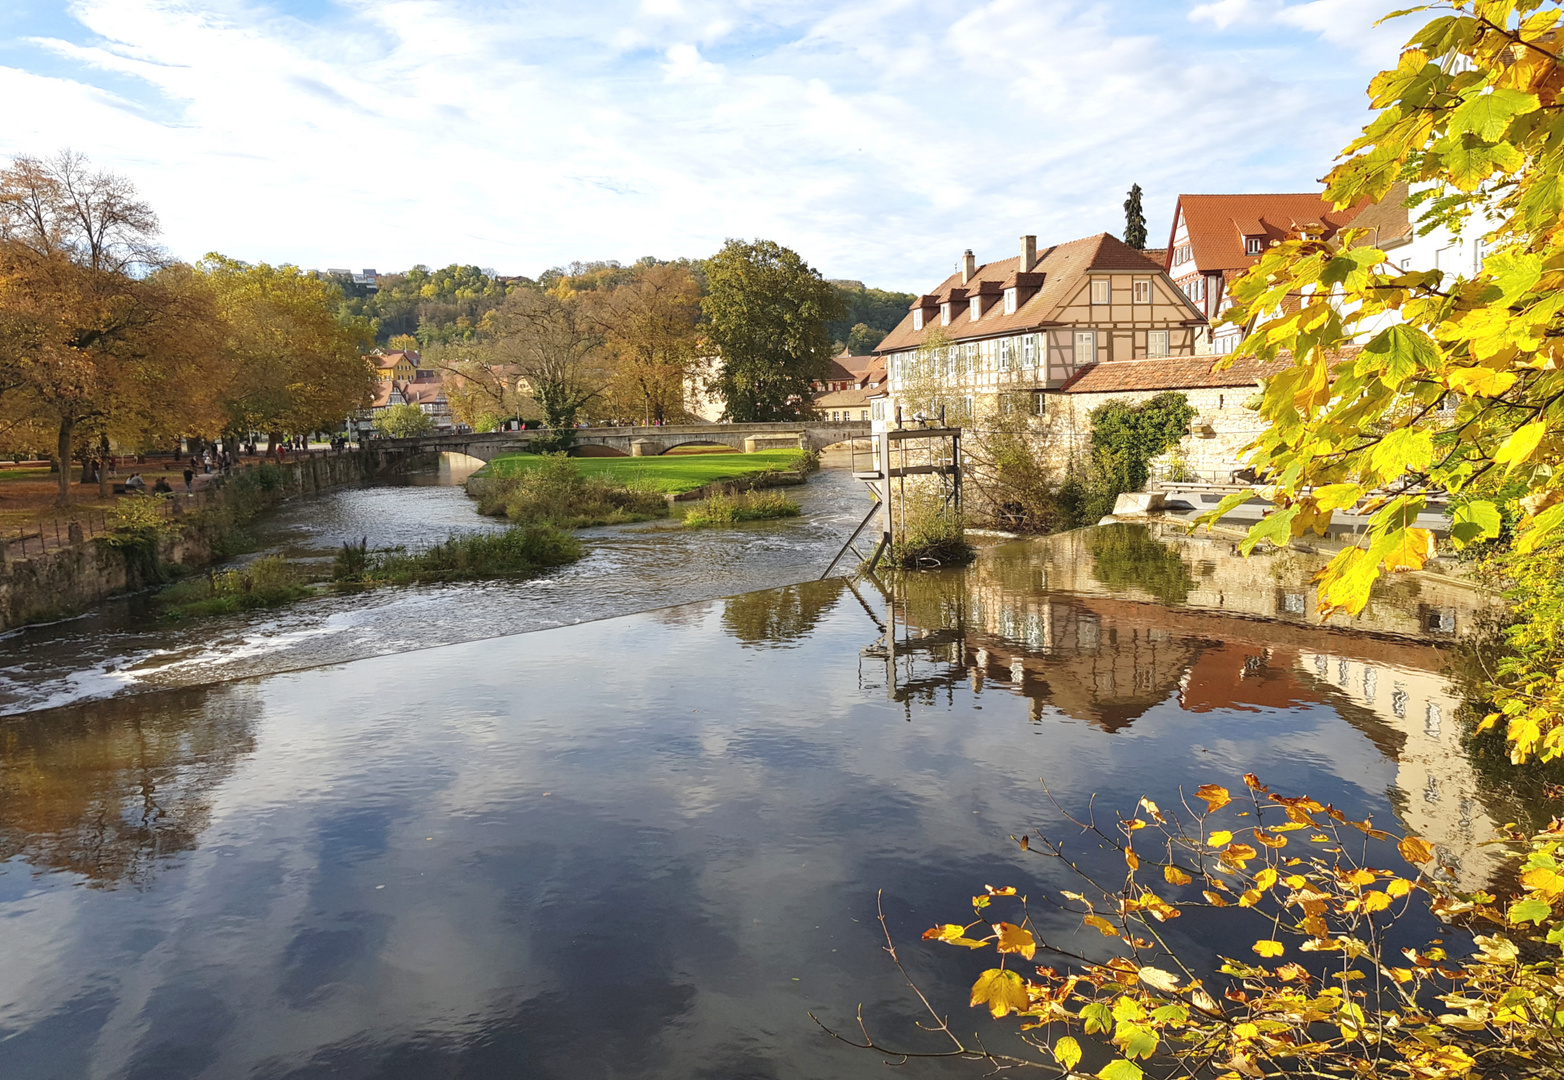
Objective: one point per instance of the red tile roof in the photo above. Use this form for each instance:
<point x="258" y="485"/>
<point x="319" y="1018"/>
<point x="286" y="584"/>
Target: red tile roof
<point x="1219" y="224"/>
<point x="1167" y="373"/>
<point x="1054" y="277"/>
<point x="1389" y="218"/>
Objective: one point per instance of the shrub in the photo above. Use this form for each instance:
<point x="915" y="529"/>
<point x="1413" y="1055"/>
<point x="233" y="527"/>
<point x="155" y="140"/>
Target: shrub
<point x="403" y="422"/>
<point x="930" y="536"/>
<point x="751" y="506"/>
<point x="519" y="551"/>
<point x="267" y="582"/>
<point x="557" y="493"/>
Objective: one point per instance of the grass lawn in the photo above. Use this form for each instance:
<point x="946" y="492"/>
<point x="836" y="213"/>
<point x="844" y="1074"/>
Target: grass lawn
<point x="671" y="473"/>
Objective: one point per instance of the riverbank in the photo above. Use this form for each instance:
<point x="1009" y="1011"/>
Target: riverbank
<point x="82" y="571"/>
<point x="679" y="475"/>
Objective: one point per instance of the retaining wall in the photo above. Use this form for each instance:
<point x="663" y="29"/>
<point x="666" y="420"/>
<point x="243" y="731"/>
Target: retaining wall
<point x="70" y="579"/>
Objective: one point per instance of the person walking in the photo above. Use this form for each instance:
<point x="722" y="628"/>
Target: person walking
<point x="190" y="476"/>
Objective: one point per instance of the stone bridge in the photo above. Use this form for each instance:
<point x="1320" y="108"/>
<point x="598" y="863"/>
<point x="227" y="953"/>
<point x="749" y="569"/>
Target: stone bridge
<point x="633" y="441"/>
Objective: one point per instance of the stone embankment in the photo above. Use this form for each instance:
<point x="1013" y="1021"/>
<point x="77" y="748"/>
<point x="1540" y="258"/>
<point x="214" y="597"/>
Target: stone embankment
<point x="66" y="580"/>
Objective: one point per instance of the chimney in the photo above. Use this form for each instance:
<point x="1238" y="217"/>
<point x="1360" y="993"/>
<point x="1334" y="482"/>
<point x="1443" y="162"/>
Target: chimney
<point x="1028" y="253"/>
<point x="968" y="266"/>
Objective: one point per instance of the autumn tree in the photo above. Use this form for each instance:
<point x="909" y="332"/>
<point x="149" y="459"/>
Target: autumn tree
<point x="1134" y="220"/>
<point x="292" y="366"/>
<point x="100" y="338"/>
<point x="649" y="325"/>
<point x="1458" y="389"/>
<point x="554" y="348"/>
<point x="766" y="315"/>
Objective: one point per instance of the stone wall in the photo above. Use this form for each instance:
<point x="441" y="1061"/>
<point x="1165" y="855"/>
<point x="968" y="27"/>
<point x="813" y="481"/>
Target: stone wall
<point x="1211" y="452"/>
<point x="70" y="579"/>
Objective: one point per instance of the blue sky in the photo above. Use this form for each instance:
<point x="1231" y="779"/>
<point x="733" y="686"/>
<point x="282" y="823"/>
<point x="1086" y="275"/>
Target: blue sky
<point x="878" y="138"/>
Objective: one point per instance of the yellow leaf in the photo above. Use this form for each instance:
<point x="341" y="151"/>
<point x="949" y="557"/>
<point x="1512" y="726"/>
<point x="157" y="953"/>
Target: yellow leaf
<point x="1401" y="975"/>
<point x="1246" y="1031"/>
<point x="1548" y="882"/>
<point x="1002" y="991"/>
<point x="1271" y="841"/>
<point x="1067" y="1052"/>
<point x="1480" y="381"/>
<point x="1132" y="859"/>
<point x="1360" y="878"/>
<point x="1214" y="899"/>
<point x="1520" y="445"/>
<point x="1265" y="879"/>
<point x="1375" y="901"/>
<point x="1415" y="851"/>
<point x="1175" y="876"/>
<point x="954" y="935"/>
<point x="1158" y="979"/>
<point x="1008" y="890"/>
<point x="1238" y="853"/>
<point x="1269" y="948"/>
<point x="1015" y="939"/>
<point x="1408" y="549"/>
<point x="1215" y="796"/>
<point x="1250" y="898"/>
<point x="1151" y="808"/>
<point x="1335" y="497"/>
<point x="1218" y="838"/>
<point x="1104" y="927"/>
<point x="1398" y="887"/>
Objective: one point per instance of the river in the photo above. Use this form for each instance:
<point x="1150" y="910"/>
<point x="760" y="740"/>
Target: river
<point x="123" y="647"/>
<point x="649" y="845"/>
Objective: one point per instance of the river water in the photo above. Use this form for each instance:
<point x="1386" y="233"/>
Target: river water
<point x="650" y="845"/>
<point x="123" y="647"/>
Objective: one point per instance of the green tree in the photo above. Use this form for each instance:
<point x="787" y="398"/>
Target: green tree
<point x="403" y="422"/>
<point x="766" y="315"/>
<point x="1134" y="220"/>
<point x="878" y="309"/>
<point x="863" y="337"/>
<point x="553" y="348"/>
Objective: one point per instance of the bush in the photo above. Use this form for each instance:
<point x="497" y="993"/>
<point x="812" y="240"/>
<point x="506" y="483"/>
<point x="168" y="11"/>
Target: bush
<point x="751" y="506"/>
<point x="267" y="582"/>
<point x="933" y="536"/>
<point x="403" y="422"/>
<point x="556" y="493"/>
<point x="520" y="551"/>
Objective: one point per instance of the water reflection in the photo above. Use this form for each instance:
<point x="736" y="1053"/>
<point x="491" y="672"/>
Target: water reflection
<point x="110" y="793"/>
<point x="647" y="846"/>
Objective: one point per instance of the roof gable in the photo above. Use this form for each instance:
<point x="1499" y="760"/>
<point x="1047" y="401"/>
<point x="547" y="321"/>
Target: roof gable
<point x="1219" y="225"/>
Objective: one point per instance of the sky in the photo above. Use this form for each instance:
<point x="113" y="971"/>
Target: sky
<point x="878" y="138"/>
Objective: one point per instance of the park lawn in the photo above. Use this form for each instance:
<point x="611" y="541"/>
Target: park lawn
<point x="674" y="474"/>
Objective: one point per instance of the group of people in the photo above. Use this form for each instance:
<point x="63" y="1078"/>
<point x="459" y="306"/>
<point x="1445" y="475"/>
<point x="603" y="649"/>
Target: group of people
<point x="137" y="485"/>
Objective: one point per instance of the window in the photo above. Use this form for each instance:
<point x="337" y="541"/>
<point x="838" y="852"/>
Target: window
<point x="1102" y="291"/>
<point x="1195" y="289"/>
<point x="1029" y="351"/>
<point x="1004" y="354"/>
<point x="972" y="357"/>
<point x="1085" y="347"/>
<point x="878" y="409"/>
<point x="1183" y="254"/>
<point x="944" y="313"/>
<point x="1406" y="264"/>
<point x="863" y="414"/>
<point x="917" y="318"/>
<point x="1010" y="301"/>
<point x="1253" y="245"/>
<point x="1156" y="343"/>
<point x="949" y="354"/>
<point x="976" y="308"/>
<point x="1143" y="291"/>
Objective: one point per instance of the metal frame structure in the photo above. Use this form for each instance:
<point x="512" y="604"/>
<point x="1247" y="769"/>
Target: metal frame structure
<point x="887" y="461"/>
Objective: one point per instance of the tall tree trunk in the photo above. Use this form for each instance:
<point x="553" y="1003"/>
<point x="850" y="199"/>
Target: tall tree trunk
<point x="103" y="466"/>
<point x="63" y="452"/>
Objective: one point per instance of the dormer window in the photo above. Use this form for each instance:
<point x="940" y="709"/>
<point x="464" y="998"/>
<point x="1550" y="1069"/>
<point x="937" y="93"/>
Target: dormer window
<point x="917" y="318"/>
<point x="1253" y="245"/>
<point x="1102" y="291"/>
<point x="944" y="313"/>
<point x="1010" y="301"/>
<point x="976" y="308"/>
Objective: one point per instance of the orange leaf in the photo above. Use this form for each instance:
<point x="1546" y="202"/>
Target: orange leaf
<point x="1015" y="939"/>
<point x="1415" y="851"/>
<point x="1408" y="549"/>
<point x="1104" y="927"/>
<point x="1215" y="796"/>
<point x="1175" y="876"/>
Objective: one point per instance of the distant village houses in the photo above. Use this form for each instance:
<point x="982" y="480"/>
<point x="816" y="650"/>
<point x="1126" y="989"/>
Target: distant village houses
<point x="404" y="381"/>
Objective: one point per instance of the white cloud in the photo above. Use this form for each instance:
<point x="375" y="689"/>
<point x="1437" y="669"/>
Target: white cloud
<point x="879" y="137"/>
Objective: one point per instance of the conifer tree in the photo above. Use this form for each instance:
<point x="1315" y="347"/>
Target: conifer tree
<point x="1134" y="221"/>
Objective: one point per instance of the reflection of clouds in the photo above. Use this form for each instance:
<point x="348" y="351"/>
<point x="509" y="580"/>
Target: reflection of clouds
<point x="717" y="818"/>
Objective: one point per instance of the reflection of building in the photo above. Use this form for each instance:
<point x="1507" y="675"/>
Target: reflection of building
<point x="1048" y="621"/>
